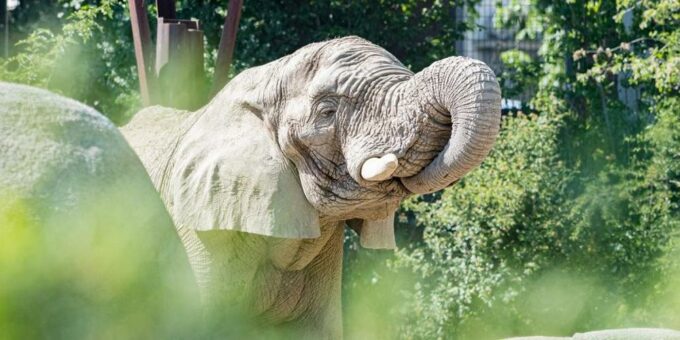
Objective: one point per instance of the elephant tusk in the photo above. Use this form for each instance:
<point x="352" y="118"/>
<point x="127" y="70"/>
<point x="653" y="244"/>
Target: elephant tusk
<point x="379" y="169"/>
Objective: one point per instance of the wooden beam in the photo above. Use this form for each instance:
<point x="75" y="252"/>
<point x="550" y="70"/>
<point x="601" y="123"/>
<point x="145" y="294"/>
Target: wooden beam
<point x="143" y="49"/>
<point x="227" y="44"/>
<point x="180" y="77"/>
<point x="166" y="9"/>
<point x="190" y="24"/>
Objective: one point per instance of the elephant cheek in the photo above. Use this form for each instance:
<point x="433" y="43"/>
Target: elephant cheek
<point x="316" y="136"/>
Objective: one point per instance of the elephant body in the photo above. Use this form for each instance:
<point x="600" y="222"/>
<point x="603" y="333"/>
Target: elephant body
<point x="87" y="249"/>
<point x="261" y="181"/>
<point x="292" y="283"/>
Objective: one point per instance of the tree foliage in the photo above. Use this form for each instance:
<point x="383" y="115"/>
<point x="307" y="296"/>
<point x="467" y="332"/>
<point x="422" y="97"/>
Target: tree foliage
<point x="493" y="229"/>
<point x="88" y="55"/>
<point x="569" y="224"/>
<point x="84" y="49"/>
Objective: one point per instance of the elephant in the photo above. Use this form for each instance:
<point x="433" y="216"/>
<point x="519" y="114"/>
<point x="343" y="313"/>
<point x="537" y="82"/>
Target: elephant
<point x="87" y="248"/>
<point x="262" y="180"/>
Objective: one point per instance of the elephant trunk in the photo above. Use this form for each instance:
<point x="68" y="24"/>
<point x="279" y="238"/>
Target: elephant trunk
<point x="461" y="97"/>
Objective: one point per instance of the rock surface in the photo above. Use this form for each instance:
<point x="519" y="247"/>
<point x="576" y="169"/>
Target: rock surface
<point x="616" y="334"/>
<point x="87" y="249"/>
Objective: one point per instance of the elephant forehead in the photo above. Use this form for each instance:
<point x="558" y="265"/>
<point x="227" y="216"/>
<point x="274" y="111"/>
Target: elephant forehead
<point x="296" y="108"/>
<point x="325" y="81"/>
<point x="360" y="80"/>
<point x="339" y="66"/>
<point x="357" y="52"/>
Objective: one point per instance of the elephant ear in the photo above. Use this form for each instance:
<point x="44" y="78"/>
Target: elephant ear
<point x="230" y="174"/>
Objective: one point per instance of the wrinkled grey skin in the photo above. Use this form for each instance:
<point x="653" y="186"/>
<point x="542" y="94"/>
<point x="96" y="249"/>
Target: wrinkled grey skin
<point x="326" y="108"/>
<point x="94" y="246"/>
<point x="349" y="100"/>
<point x="616" y="334"/>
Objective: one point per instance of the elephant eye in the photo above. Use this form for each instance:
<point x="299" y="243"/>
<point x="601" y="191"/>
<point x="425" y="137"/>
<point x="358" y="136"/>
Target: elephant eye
<point x="325" y="109"/>
<point x="328" y="113"/>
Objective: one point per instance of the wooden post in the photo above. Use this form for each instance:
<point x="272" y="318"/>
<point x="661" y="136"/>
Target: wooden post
<point x="166" y="9"/>
<point x="143" y="49"/>
<point x="177" y="78"/>
<point x="4" y="26"/>
<point x="227" y="43"/>
<point x="179" y="64"/>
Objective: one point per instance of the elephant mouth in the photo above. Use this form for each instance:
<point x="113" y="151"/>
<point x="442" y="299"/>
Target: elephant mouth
<point x="394" y="184"/>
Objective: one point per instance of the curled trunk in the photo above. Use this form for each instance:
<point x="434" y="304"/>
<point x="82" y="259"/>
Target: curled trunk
<point x="463" y="96"/>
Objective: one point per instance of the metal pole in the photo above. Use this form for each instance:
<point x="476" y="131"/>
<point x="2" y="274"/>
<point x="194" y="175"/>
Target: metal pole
<point x="227" y="43"/>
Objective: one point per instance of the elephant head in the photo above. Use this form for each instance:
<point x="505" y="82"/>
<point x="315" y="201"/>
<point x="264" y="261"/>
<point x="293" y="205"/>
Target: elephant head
<point x="339" y="130"/>
<point x="361" y="130"/>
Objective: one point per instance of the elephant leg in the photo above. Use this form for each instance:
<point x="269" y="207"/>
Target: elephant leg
<point x="242" y="279"/>
<point x="319" y="307"/>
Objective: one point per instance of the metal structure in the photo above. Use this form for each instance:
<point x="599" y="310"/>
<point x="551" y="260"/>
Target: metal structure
<point x="180" y="76"/>
<point x="173" y="74"/>
<point x="225" y="52"/>
<point x="487" y="42"/>
<point x="143" y="53"/>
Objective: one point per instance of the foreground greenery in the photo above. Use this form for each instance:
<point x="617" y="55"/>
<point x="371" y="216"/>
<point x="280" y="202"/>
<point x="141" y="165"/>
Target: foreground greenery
<point x="570" y="225"/>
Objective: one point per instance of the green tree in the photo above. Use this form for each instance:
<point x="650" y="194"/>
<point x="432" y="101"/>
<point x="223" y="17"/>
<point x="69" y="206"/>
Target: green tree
<point x="570" y="223"/>
<point x="87" y="55"/>
<point x="490" y="231"/>
<point x="581" y="237"/>
<point x="83" y="49"/>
